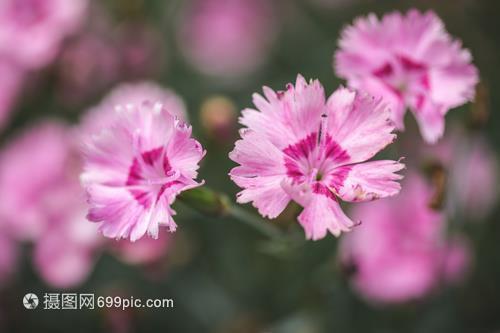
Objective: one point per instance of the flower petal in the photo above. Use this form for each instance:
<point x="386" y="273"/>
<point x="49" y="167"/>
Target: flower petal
<point x="265" y="193"/>
<point x="371" y="180"/>
<point x="360" y="124"/>
<point x="323" y="214"/>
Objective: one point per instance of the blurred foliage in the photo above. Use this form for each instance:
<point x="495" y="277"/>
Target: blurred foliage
<point x="220" y="273"/>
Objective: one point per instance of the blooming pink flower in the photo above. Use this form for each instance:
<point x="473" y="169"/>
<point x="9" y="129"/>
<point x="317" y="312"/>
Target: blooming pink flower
<point x="401" y="253"/>
<point x="31" y="30"/>
<point x="135" y="168"/>
<point x="103" y="115"/>
<point x="412" y="62"/>
<point x="11" y="78"/>
<point x="227" y="38"/>
<point x="23" y="207"/>
<point x="299" y="147"/>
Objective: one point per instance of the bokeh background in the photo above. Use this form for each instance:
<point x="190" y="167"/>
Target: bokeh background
<point x="223" y="275"/>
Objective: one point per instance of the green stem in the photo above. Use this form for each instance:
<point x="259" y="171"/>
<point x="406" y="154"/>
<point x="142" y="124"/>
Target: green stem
<point x="263" y="226"/>
<point x="209" y="202"/>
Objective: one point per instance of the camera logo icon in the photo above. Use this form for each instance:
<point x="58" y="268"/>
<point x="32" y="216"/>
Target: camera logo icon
<point x="30" y="301"/>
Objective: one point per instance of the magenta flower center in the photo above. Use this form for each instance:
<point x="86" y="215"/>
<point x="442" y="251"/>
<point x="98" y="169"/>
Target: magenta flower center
<point x="318" y="161"/>
<point x="149" y="176"/>
<point x="405" y="77"/>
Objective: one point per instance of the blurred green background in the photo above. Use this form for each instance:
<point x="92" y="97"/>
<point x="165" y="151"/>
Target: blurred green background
<point x="223" y="275"/>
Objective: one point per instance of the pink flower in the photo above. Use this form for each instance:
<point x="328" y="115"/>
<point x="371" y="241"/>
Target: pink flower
<point x="300" y="147"/>
<point x="67" y="248"/>
<point x="48" y="207"/>
<point x="412" y="62"/>
<point x="401" y="252"/>
<point x="25" y="191"/>
<point x="135" y="168"/>
<point x="65" y="253"/>
<point x="103" y="115"/>
<point x="31" y="30"/>
<point x="227" y="37"/>
<point x="11" y="78"/>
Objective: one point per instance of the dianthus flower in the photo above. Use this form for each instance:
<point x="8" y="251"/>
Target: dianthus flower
<point x="300" y="147"/>
<point x="402" y="253"/>
<point x="135" y="168"/>
<point x="412" y="62"/>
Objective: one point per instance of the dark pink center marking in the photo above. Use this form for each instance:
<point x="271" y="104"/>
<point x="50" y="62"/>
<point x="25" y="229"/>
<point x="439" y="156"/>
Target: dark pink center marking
<point x="148" y="172"/>
<point x="317" y="163"/>
<point x="402" y="75"/>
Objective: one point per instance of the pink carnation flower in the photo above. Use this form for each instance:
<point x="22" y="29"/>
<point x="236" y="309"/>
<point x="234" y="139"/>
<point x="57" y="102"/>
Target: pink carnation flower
<point x="135" y="169"/>
<point x="401" y="254"/>
<point x="412" y="62"/>
<point x="227" y="38"/>
<point x="31" y="30"/>
<point x="300" y="147"/>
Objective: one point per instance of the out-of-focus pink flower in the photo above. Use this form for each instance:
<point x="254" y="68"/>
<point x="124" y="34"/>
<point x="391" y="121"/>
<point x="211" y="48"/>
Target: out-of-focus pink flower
<point x="472" y="169"/>
<point x="65" y="253"/>
<point x="31" y="30"/>
<point x="227" y="37"/>
<point x="102" y="115"/>
<point x="8" y="257"/>
<point x="88" y="64"/>
<point x="42" y="201"/>
<point x="11" y="78"/>
<point x="68" y="246"/>
<point x="135" y="169"/>
<point x="144" y="251"/>
<point x="31" y="165"/>
<point x="401" y="253"/>
<point x="412" y="62"/>
<point x="300" y="147"/>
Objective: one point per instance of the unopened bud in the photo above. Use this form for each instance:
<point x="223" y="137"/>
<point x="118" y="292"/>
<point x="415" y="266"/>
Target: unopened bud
<point x="218" y="117"/>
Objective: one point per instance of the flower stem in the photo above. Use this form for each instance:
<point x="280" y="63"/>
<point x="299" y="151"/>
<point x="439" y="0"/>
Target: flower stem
<point x="212" y="203"/>
<point x="263" y="226"/>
